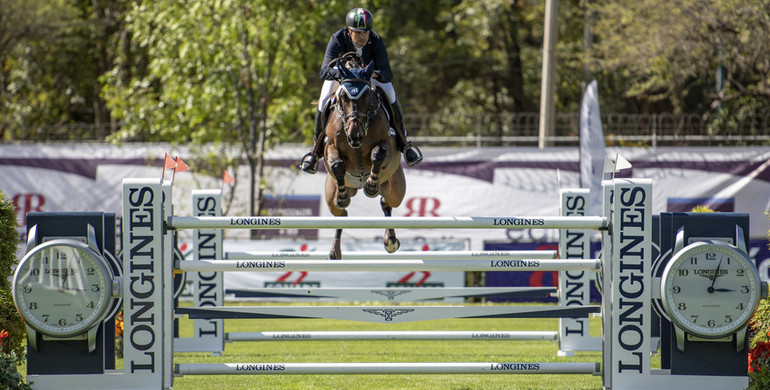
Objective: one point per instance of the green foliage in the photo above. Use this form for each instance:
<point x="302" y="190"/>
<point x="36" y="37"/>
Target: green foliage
<point x="44" y="80"/>
<point x="245" y="71"/>
<point x="9" y="317"/>
<point x="11" y="322"/>
<point x="9" y="377"/>
<point x="759" y="347"/>
<point x="9" y="239"/>
<point x="667" y="54"/>
<point x="217" y="71"/>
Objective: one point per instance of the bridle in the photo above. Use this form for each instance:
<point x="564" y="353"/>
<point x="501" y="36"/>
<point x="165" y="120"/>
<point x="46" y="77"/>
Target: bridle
<point x="355" y="115"/>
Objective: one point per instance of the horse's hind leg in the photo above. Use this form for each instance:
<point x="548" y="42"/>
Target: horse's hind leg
<point x="372" y="186"/>
<point x="336" y="252"/>
<point x="389" y="239"/>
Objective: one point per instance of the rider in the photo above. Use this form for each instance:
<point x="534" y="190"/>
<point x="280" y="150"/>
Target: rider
<point x="358" y="37"/>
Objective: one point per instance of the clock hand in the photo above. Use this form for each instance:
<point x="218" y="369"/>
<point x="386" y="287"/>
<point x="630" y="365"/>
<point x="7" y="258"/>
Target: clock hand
<point x="714" y="277"/>
<point x="64" y="280"/>
<point x="712" y="289"/>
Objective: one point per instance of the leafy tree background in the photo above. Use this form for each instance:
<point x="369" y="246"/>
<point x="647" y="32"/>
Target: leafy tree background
<point x="242" y="74"/>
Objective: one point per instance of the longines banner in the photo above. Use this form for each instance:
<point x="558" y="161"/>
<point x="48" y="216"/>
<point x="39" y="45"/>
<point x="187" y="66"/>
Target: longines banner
<point x="450" y="182"/>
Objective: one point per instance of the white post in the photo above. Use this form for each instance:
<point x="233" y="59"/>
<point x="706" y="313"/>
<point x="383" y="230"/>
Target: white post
<point x="575" y="286"/>
<point x="607" y="280"/>
<point x="631" y="298"/>
<point x="143" y="281"/>
<point x="207" y="286"/>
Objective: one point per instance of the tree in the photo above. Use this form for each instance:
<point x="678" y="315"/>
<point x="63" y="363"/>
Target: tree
<point x="667" y="54"/>
<point x="32" y="91"/>
<point x="221" y="71"/>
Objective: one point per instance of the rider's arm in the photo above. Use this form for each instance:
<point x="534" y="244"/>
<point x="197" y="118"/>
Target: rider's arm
<point x="381" y="60"/>
<point x="334" y="49"/>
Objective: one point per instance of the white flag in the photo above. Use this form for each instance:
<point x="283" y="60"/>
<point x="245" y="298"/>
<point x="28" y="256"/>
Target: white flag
<point x="592" y="149"/>
<point x="621" y="163"/>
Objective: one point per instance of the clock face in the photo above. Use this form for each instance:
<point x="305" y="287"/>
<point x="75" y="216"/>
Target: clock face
<point x="62" y="288"/>
<point x="710" y="289"/>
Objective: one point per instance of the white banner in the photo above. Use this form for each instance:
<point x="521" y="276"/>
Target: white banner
<point x="450" y="182"/>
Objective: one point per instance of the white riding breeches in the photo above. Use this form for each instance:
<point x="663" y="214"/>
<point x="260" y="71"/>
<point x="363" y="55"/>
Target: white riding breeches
<point x="330" y="86"/>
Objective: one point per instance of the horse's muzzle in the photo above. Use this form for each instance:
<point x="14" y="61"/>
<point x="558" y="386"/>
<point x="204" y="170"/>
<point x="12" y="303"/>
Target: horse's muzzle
<point x="355" y="140"/>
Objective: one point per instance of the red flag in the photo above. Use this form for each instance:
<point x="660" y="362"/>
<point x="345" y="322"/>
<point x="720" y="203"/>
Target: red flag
<point x="168" y="162"/>
<point x="226" y="178"/>
<point x="180" y="165"/>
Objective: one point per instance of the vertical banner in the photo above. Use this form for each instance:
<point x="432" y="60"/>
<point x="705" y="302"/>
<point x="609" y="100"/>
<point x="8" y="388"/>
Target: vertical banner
<point x="592" y="147"/>
<point x="208" y="287"/>
<point x="631" y="267"/>
<point x="575" y="286"/>
<point x="143" y="353"/>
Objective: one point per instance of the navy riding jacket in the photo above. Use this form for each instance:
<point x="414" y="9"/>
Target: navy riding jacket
<point x="340" y="43"/>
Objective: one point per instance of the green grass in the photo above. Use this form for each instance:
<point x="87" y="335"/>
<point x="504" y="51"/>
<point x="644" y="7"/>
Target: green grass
<point x="389" y="351"/>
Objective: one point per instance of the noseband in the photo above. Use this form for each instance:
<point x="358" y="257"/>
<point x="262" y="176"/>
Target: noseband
<point x="355" y="90"/>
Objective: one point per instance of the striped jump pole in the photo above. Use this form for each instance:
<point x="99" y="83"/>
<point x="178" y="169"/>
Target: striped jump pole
<point x="384" y="368"/>
<point x="388" y="265"/>
<point x="372" y="255"/>
<point x="392" y="335"/>
<point x="387" y="314"/>
<point x="391" y="293"/>
<point x="246" y="222"/>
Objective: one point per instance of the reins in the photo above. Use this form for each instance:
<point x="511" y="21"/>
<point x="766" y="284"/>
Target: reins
<point x="373" y="109"/>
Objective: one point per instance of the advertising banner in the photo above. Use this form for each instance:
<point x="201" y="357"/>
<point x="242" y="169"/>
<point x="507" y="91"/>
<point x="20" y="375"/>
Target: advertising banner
<point x="494" y="181"/>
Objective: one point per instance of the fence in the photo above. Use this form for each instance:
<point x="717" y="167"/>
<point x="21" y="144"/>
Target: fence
<point x="507" y="129"/>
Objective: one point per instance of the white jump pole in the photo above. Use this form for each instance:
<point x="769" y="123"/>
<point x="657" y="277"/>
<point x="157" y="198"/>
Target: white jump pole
<point x="385" y="368"/>
<point x="388" y="265"/>
<point x="422" y="255"/>
<point x="391" y="335"/>
<point x="246" y="222"/>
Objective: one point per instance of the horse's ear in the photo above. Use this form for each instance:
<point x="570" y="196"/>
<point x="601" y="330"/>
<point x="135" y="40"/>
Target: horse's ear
<point x="344" y="72"/>
<point x="369" y="70"/>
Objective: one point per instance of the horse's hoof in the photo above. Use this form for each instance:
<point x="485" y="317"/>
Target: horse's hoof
<point x="334" y="255"/>
<point x="371" y="189"/>
<point x="343" y="202"/>
<point x="392" y="244"/>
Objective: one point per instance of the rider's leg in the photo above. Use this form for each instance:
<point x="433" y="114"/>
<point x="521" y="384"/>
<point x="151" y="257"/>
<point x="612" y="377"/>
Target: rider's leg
<point x="412" y="154"/>
<point x="309" y="162"/>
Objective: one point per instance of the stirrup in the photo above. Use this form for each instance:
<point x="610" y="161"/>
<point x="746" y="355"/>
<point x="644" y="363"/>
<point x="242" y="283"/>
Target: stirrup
<point x="309" y="163"/>
<point x="416" y="157"/>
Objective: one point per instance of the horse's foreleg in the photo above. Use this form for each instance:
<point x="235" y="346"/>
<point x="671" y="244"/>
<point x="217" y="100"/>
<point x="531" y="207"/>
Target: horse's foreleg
<point x="372" y="186"/>
<point x="389" y="239"/>
<point x="343" y="199"/>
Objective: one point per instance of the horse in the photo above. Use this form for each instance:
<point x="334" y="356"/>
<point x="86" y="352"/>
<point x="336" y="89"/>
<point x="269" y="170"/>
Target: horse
<point x="361" y="150"/>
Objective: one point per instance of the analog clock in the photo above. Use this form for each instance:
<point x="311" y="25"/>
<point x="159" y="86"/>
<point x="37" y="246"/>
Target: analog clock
<point x="710" y="289"/>
<point x="64" y="288"/>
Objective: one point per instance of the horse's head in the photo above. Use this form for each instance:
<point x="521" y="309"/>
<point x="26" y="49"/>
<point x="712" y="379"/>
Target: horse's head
<point x="356" y="102"/>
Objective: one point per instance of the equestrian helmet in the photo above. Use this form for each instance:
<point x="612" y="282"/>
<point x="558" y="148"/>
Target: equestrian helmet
<point x="359" y="19"/>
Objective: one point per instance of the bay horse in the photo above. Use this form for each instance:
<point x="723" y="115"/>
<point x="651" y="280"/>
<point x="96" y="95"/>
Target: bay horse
<point x="361" y="151"/>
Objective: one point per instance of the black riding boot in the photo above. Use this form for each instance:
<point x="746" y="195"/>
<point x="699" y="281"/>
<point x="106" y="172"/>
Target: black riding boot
<point x="412" y="154"/>
<point x="309" y="162"/>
